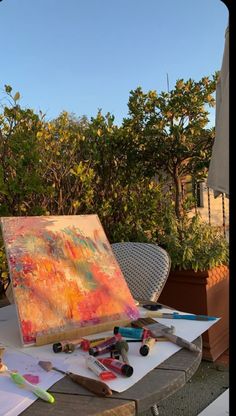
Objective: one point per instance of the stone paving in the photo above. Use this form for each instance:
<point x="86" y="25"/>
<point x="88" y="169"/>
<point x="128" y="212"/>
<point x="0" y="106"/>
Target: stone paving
<point x="208" y="383"/>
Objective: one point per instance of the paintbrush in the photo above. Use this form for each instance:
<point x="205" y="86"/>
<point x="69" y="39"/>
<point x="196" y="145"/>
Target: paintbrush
<point x="95" y="386"/>
<point x="20" y="381"/>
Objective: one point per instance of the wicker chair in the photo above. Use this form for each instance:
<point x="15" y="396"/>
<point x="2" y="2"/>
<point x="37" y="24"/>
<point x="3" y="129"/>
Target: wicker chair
<point x="145" y="267"/>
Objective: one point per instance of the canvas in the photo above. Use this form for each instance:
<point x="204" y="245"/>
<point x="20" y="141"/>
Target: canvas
<point x="64" y="275"/>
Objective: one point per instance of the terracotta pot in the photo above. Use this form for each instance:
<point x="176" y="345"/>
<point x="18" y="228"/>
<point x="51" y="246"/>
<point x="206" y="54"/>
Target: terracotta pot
<point x="205" y="293"/>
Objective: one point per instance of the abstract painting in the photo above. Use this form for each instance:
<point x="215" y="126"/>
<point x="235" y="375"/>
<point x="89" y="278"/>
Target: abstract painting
<point x="64" y="274"/>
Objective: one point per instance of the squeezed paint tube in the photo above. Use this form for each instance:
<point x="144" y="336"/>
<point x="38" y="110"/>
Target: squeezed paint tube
<point x="105" y="346"/>
<point x="117" y="366"/>
<point x="99" y="369"/>
<point x="67" y="345"/>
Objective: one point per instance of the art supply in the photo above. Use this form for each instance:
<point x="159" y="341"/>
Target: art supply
<point x="181" y="342"/>
<point x="147" y="324"/>
<point x="147" y="345"/>
<point x="143" y="322"/>
<point x="104" y="346"/>
<point x="21" y="382"/>
<point x="122" y="347"/>
<point x="140" y="340"/>
<point x="87" y="343"/>
<point x="157" y="329"/>
<point x="146" y="334"/>
<point x="176" y="315"/>
<point x="153" y="307"/>
<point x="117" y="366"/>
<point x="114" y="354"/>
<point x="67" y="346"/>
<point x="128" y="331"/>
<point x="99" y="369"/>
<point x="159" y="339"/>
<point x="95" y="386"/>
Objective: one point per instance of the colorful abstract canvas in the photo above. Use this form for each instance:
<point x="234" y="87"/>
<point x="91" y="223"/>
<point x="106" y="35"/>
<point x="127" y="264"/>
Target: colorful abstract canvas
<point x="64" y="274"/>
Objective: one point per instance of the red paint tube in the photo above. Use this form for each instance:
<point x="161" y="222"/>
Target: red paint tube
<point x="99" y="369"/>
<point x="117" y="366"/>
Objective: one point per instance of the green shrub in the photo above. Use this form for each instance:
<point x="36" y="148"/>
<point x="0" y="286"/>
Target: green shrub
<point x="193" y="243"/>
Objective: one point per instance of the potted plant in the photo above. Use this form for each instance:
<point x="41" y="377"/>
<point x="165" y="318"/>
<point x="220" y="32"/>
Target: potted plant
<point x="199" y="276"/>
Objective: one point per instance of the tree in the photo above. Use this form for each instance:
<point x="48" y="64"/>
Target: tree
<point x="65" y="171"/>
<point x="19" y="158"/>
<point x="171" y="131"/>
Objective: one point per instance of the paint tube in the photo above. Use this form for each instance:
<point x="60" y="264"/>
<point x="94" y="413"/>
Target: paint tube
<point x="67" y="345"/>
<point x="146" y="334"/>
<point x="147" y="344"/>
<point x="99" y="369"/>
<point x="128" y="331"/>
<point x="105" y="346"/>
<point x="117" y="366"/>
<point x="89" y="343"/>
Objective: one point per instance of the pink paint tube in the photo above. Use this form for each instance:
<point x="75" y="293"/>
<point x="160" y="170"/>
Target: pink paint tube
<point x="99" y="369"/>
<point x="117" y="366"/>
<point x="146" y="334"/>
<point x="105" y="346"/>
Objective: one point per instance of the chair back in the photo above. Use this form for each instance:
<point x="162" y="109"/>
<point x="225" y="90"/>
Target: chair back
<point x="145" y="267"/>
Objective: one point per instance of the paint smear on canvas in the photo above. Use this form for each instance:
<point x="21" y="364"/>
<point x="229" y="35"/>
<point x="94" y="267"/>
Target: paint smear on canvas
<point x="64" y="274"/>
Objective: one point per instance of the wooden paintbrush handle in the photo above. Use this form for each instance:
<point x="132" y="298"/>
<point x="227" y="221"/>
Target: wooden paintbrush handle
<point x="95" y="386"/>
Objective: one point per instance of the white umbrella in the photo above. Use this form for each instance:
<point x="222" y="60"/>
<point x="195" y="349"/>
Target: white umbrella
<point x="218" y="175"/>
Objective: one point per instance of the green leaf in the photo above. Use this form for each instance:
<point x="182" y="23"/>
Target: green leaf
<point x="8" y="89"/>
<point x="16" y="96"/>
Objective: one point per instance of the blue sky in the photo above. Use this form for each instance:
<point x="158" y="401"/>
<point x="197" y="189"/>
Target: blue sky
<point x="82" y="55"/>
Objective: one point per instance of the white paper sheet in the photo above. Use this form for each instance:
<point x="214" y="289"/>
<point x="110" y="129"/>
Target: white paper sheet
<point x="75" y="362"/>
<point x="13" y="399"/>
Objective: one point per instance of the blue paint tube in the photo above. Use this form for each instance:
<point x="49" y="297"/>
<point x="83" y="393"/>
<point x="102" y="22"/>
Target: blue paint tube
<point x="129" y="332"/>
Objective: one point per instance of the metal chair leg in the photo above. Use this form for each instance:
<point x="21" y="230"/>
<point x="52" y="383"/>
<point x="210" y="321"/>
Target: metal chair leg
<point x="154" y="410"/>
